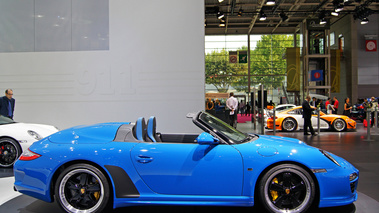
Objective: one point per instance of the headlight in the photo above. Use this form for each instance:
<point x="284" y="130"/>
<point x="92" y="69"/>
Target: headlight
<point x="329" y="156"/>
<point x="34" y="135"/>
<point x="353" y="176"/>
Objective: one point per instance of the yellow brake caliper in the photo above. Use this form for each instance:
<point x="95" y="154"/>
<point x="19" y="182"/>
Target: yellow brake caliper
<point x="274" y="194"/>
<point x="96" y="194"/>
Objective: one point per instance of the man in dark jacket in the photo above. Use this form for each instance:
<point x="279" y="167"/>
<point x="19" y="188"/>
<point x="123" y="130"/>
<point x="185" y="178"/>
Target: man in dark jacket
<point x="7" y="103"/>
<point x="307" y="115"/>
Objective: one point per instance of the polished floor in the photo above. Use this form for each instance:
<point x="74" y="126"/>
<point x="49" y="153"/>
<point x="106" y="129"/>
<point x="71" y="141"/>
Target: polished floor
<point x="355" y="146"/>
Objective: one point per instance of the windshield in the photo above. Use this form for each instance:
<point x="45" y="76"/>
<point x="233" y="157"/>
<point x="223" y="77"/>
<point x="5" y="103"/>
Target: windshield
<point x="5" y="120"/>
<point x="226" y="131"/>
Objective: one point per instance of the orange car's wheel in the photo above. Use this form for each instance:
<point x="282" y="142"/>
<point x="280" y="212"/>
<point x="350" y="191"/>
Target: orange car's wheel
<point x="339" y="125"/>
<point x="289" y="125"/>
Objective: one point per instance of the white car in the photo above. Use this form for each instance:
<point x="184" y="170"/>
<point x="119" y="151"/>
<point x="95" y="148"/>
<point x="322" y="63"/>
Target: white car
<point x="16" y="137"/>
<point x="279" y="108"/>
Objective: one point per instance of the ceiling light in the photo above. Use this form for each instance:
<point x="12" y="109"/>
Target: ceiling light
<point x="270" y="2"/>
<point x="339" y="8"/>
<point x="334" y="13"/>
<point x="364" y="21"/>
<point x="262" y="16"/>
<point x="323" y="21"/>
<point x="283" y="16"/>
<point x="220" y="15"/>
<point x="222" y="23"/>
<point x="220" y="1"/>
<point x="240" y="12"/>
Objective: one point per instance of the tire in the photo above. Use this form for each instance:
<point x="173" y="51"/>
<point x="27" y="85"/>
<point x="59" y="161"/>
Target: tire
<point x="10" y="150"/>
<point x="82" y="188"/>
<point x="289" y="125"/>
<point x="339" y="125"/>
<point x="287" y="188"/>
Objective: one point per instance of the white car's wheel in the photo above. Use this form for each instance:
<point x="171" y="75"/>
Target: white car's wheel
<point x="289" y="125"/>
<point x="339" y="125"/>
<point x="287" y="188"/>
<point x="82" y="188"/>
<point x="10" y="150"/>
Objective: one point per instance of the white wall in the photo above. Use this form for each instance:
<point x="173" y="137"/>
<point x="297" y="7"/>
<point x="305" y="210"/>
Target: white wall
<point x="154" y="66"/>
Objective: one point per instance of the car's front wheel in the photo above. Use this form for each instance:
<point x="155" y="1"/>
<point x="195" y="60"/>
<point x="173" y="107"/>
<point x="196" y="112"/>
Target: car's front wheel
<point x="339" y="125"/>
<point x="287" y="188"/>
<point x="9" y="152"/>
<point x="82" y="188"/>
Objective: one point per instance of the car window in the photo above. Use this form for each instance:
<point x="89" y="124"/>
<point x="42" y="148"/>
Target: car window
<point x="296" y="112"/>
<point x="218" y="126"/>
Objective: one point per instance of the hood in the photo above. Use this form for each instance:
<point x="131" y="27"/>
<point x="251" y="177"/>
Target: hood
<point x="19" y="130"/>
<point x="277" y="140"/>
<point x="87" y="134"/>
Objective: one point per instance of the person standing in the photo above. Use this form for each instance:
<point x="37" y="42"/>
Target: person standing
<point x="232" y="105"/>
<point x="347" y="107"/>
<point x="7" y="104"/>
<point x="307" y="115"/>
<point x="335" y="105"/>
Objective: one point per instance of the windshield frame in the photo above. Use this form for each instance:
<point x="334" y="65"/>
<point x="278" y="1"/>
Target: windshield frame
<point x="226" y="132"/>
<point x="5" y="120"/>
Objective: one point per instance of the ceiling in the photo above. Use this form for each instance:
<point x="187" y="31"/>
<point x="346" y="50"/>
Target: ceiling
<point x="285" y="17"/>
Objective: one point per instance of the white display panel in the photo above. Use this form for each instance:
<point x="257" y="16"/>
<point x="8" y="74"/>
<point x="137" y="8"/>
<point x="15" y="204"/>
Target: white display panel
<point x="45" y="25"/>
<point x="154" y="66"/>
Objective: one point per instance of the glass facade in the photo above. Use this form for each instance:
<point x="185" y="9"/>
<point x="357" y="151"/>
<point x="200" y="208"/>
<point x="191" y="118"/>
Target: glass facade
<point x="227" y="67"/>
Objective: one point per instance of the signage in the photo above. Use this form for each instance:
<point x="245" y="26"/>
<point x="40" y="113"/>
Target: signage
<point x="233" y="57"/>
<point x="317" y="75"/>
<point x="371" y="46"/>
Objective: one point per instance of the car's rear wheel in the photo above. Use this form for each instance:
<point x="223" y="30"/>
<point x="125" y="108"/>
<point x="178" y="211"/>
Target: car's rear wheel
<point x="289" y="125"/>
<point x="82" y="188"/>
<point x="287" y="188"/>
<point x="10" y="150"/>
<point x="339" y="125"/>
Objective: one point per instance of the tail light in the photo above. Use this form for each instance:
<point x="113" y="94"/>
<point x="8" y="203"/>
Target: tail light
<point x="29" y="155"/>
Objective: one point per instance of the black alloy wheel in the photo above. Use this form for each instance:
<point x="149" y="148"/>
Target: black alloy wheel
<point x="82" y="188"/>
<point x="10" y="150"/>
<point x="287" y="188"/>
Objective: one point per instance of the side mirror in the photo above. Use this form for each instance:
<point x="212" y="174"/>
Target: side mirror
<point x="206" y="139"/>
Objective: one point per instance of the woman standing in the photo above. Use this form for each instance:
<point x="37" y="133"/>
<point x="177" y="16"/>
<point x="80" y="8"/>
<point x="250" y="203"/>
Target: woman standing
<point x="347" y="107"/>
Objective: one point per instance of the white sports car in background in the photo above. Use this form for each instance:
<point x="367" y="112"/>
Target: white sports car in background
<point x="16" y="137"/>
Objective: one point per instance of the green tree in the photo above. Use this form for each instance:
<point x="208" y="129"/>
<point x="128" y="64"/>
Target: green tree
<point x="267" y="65"/>
<point x="219" y="72"/>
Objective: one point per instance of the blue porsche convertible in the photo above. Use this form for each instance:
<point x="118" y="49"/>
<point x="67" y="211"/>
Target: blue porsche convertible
<point x="99" y="167"/>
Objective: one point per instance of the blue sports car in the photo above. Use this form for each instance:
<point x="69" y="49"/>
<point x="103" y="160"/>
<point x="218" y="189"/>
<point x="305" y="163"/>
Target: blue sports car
<point x="110" y="165"/>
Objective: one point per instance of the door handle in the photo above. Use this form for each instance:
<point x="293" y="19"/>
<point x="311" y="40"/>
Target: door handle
<point x="144" y="159"/>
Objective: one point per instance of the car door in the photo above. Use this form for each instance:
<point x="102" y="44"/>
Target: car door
<point x="189" y="169"/>
<point x="297" y="114"/>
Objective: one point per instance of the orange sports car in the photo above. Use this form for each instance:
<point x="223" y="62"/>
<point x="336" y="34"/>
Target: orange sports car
<point x="292" y="119"/>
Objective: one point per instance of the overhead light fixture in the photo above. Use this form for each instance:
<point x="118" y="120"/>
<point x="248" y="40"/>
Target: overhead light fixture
<point x="240" y="12"/>
<point x="270" y="2"/>
<point x="323" y="21"/>
<point x="334" y="13"/>
<point x="364" y="21"/>
<point x="322" y="18"/>
<point x="262" y="16"/>
<point x="283" y="16"/>
<point x="220" y="1"/>
<point x="338" y="8"/>
<point x="220" y="15"/>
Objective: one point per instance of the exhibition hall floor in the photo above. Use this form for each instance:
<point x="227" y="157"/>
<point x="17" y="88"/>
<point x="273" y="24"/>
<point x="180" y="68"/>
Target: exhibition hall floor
<point x="351" y="145"/>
